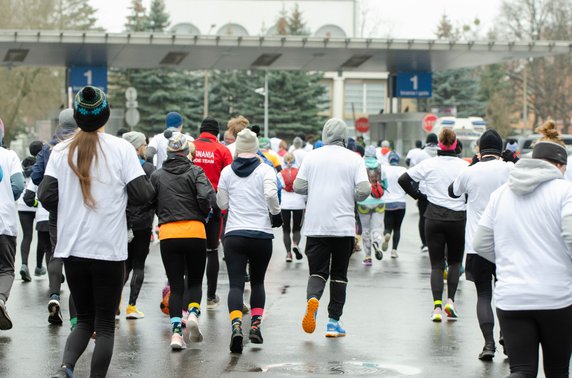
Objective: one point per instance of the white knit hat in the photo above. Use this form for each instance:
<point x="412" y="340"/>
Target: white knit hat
<point x="246" y="142"/>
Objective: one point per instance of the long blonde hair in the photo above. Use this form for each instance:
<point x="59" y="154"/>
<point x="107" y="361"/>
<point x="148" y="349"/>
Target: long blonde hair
<point x="86" y="144"/>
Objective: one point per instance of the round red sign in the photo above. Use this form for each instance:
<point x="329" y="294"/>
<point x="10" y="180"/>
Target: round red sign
<point x="428" y="122"/>
<point x="362" y="125"/>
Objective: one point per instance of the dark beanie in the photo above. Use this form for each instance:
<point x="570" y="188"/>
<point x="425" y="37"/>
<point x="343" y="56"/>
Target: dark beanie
<point x="550" y="151"/>
<point x="255" y="129"/>
<point x="432" y="139"/>
<point x="490" y="143"/>
<point x="90" y="109"/>
<point x="210" y="125"/>
<point x="35" y="147"/>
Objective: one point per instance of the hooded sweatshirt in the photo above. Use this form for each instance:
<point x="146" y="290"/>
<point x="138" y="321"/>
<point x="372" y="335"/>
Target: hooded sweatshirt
<point x="526" y="230"/>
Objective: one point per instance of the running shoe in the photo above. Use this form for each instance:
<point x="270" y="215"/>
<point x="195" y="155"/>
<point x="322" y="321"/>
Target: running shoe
<point x="195" y="334"/>
<point x="39" y="271"/>
<point x="255" y="335"/>
<point x="236" y="337"/>
<point x="450" y="310"/>
<point x="296" y="251"/>
<point x="309" y="321"/>
<point x="25" y="273"/>
<point x="118" y="311"/>
<point x="245" y="309"/>
<point x="488" y="352"/>
<point x="501" y="342"/>
<point x="394" y="254"/>
<point x="334" y="329"/>
<point x="462" y="270"/>
<point x="385" y="243"/>
<point x="177" y="342"/>
<point x="133" y="313"/>
<point x="424" y="249"/>
<point x="357" y="246"/>
<point x="377" y="251"/>
<point x="288" y="257"/>
<point x="5" y="321"/>
<point x="445" y="274"/>
<point x="73" y="323"/>
<point x="367" y="261"/>
<point x="63" y="372"/>
<point x="213" y="303"/>
<point x="55" y="313"/>
<point x="437" y="315"/>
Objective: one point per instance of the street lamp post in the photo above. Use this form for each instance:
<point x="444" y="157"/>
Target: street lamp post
<point x="264" y="92"/>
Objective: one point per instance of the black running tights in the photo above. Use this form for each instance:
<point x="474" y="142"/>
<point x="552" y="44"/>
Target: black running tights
<point x="137" y="252"/>
<point x="524" y="331"/>
<point x="392" y="221"/>
<point x="43" y="248"/>
<point x="27" y="223"/>
<point x="287" y="227"/>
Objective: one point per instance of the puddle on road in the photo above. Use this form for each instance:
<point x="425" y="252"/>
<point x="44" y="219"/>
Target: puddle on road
<point x="351" y="368"/>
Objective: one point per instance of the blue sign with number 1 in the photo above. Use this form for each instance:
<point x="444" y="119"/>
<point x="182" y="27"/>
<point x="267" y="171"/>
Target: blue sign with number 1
<point x="413" y="84"/>
<point x="79" y="77"/>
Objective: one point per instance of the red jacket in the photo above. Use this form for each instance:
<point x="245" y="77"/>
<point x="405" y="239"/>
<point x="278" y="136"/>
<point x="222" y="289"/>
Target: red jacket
<point x="211" y="156"/>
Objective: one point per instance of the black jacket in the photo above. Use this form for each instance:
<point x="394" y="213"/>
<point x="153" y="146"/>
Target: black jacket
<point x="183" y="191"/>
<point x="139" y="218"/>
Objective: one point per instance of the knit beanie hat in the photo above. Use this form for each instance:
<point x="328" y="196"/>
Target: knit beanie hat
<point x="432" y="139"/>
<point x="264" y="143"/>
<point x="90" y="109"/>
<point x="370" y="151"/>
<point x="210" y="125"/>
<point x="335" y="130"/>
<point x="385" y="143"/>
<point x="512" y="146"/>
<point x="246" y="142"/>
<point x="136" y="138"/>
<point x="177" y="143"/>
<point x="490" y="143"/>
<point x="35" y="147"/>
<point x="393" y="158"/>
<point x="66" y="124"/>
<point x="173" y="120"/>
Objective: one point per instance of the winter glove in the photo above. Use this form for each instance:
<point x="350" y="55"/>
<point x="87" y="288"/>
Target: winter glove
<point x="508" y="155"/>
<point x="276" y="220"/>
<point x="376" y="190"/>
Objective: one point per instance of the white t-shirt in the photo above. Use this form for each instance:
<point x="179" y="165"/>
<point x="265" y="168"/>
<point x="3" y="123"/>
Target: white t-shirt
<point x="416" y="156"/>
<point x="437" y="174"/>
<point x="99" y="234"/>
<point x="10" y="165"/>
<point x="275" y="144"/>
<point x="159" y="143"/>
<point x="247" y="207"/>
<point x="383" y="159"/>
<point x="533" y="265"/>
<point x="42" y="215"/>
<point x="394" y="191"/>
<point x="232" y="148"/>
<point x="479" y="181"/>
<point x="332" y="173"/>
<point x="291" y="200"/>
<point x="21" y="204"/>
<point x="299" y="155"/>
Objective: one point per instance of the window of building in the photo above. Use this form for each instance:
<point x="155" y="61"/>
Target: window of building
<point x="326" y="99"/>
<point x="363" y="97"/>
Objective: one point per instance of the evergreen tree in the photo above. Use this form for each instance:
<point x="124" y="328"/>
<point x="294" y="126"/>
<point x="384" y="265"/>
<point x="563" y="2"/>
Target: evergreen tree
<point x="158" y="19"/>
<point x="296" y="24"/>
<point x="74" y="15"/>
<point x="137" y="19"/>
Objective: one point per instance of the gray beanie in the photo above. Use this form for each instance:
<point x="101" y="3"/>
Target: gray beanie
<point x="335" y="132"/>
<point x="136" y="138"/>
<point x="66" y="124"/>
<point x="246" y="142"/>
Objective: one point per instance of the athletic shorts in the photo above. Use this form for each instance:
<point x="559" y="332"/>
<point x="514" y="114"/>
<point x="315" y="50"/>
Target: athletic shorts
<point x="479" y="269"/>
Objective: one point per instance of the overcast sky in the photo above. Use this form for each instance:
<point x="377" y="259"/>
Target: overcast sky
<point x="395" y="18"/>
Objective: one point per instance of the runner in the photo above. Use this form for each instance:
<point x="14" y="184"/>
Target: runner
<point x="90" y="172"/>
<point x="157" y="149"/>
<point x="247" y="188"/>
<point x="394" y="199"/>
<point x="370" y="210"/>
<point x="445" y="219"/>
<point x="212" y="157"/>
<point x="27" y="214"/>
<point x="476" y="183"/>
<point x="236" y="125"/>
<point x="383" y="152"/>
<point x="429" y="151"/>
<point x="140" y="223"/>
<point x="11" y="187"/>
<point x="44" y="244"/>
<point x="526" y="230"/>
<point x="184" y="200"/>
<point x="297" y="149"/>
<point x="333" y="178"/>
<point x="273" y="157"/>
<point x="293" y="205"/>
<point x="412" y="153"/>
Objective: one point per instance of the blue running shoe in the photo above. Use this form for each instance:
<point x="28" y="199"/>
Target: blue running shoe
<point x="335" y="329"/>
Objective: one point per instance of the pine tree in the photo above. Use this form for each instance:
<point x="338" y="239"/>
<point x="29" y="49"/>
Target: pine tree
<point x="137" y="19"/>
<point x="74" y="15"/>
<point x="296" y="24"/>
<point x="158" y="19"/>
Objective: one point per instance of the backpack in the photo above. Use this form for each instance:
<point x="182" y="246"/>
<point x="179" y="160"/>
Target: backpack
<point x="289" y="175"/>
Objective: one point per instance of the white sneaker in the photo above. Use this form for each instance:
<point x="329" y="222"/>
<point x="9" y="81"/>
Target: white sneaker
<point x="177" y="342"/>
<point x="385" y="243"/>
<point x="424" y="249"/>
<point x="195" y="334"/>
<point x="394" y="254"/>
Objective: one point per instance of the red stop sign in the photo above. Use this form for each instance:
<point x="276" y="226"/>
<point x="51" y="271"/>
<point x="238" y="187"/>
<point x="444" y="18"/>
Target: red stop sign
<point x="362" y="125"/>
<point x="429" y="122"/>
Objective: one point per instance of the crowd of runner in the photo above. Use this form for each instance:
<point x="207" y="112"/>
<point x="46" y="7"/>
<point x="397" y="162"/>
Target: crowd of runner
<point x="98" y="200"/>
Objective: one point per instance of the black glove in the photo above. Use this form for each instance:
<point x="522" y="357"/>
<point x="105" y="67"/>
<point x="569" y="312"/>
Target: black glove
<point x="508" y="155"/>
<point x="276" y="220"/>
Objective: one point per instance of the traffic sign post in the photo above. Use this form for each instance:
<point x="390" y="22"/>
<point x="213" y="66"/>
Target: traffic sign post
<point x="428" y="122"/>
<point x="132" y="116"/>
<point x="362" y="125"/>
<point x="413" y="85"/>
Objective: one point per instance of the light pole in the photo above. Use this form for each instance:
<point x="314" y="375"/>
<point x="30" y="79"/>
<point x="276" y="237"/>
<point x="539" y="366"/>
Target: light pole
<point x="264" y="92"/>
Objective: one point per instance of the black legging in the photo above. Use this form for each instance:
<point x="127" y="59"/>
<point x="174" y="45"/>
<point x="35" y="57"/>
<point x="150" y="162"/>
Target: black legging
<point x="523" y="331"/>
<point x="137" y="252"/>
<point x="287" y="227"/>
<point x="96" y="286"/>
<point x="440" y="235"/>
<point x="213" y="230"/>
<point x="393" y="220"/>
<point x="422" y="205"/>
<point x="238" y="252"/>
<point x="27" y="223"/>
<point x="43" y="247"/>
<point x="180" y="257"/>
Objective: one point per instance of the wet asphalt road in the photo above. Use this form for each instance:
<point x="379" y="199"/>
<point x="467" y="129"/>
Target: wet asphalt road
<point x="386" y="317"/>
